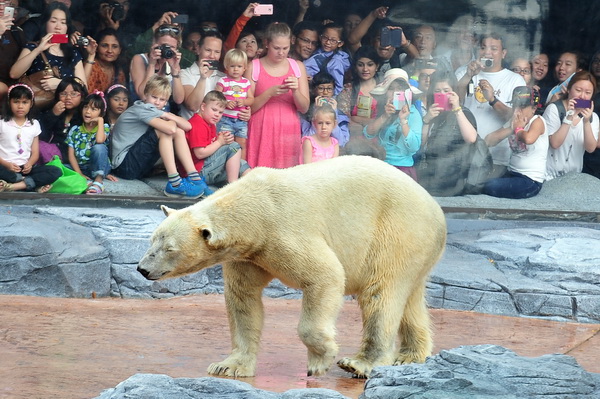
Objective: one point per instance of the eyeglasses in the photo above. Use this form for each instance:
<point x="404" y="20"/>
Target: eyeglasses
<point x="521" y="71"/>
<point x="169" y="29"/>
<point x="325" y="88"/>
<point x="308" y="41"/>
<point x="423" y="76"/>
<point x="327" y="39"/>
<point x="71" y="94"/>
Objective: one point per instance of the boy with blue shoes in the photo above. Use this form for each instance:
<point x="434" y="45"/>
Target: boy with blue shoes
<point x="144" y="133"/>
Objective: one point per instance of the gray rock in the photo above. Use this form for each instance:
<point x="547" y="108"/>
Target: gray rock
<point x="158" y="386"/>
<point x="50" y="256"/>
<point x="484" y="371"/>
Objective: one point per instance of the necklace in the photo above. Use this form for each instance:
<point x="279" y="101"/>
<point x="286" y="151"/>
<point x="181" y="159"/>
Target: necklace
<point x="20" y="140"/>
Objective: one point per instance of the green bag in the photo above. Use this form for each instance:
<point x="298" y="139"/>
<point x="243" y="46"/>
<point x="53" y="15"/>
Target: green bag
<point x="70" y="182"/>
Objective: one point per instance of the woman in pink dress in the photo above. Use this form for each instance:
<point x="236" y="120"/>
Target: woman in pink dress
<point x="281" y="91"/>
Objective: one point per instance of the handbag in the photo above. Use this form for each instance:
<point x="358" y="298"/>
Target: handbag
<point x="70" y="182"/>
<point x="48" y="151"/>
<point x="43" y="98"/>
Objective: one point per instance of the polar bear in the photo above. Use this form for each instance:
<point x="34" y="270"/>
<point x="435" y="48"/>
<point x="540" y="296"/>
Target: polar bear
<point x="348" y="225"/>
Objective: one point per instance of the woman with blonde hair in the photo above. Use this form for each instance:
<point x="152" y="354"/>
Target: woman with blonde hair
<point x="163" y="59"/>
<point x="281" y="91"/>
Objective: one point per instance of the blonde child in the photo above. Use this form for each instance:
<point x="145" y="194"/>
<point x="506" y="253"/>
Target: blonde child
<point x="88" y="143"/>
<point x="144" y="133"/>
<point x="215" y="153"/>
<point x="19" y="145"/>
<point x="321" y="145"/>
<point x="239" y="93"/>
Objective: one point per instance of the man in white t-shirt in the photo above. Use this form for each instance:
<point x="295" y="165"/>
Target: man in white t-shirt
<point x="202" y="76"/>
<point x="492" y="86"/>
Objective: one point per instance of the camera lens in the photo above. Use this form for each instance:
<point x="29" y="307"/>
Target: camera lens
<point x="82" y="41"/>
<point x="166" y="52"/>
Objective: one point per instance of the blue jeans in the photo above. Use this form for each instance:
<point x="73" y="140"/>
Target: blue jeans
<point x="99" y="164"/>
<point x="238" y="128"/>
<point x="214" y="169"/>
<point x="512" y="185"/>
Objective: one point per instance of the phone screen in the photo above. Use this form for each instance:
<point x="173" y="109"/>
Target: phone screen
<point x="391" y="36"/>
<point x="181" y="19"/>
<point x="441" y="99"/>
<point x="581" y="103"/>
<point x="399" y="100"/>
<point x="59" y="38"/>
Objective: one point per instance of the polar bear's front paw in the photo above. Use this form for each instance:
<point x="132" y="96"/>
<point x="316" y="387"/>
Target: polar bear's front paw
<point x="358" y="368"/>
<point x="318" y="365"/>
<point x="231" y="368"/>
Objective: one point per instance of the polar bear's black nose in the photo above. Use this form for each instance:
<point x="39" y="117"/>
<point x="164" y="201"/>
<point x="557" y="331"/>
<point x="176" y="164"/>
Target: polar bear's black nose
<point x="143" y="272"/>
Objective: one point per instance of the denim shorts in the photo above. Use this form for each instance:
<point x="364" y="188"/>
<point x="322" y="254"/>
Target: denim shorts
<point x="238" y="127"/>
<point x="214" y="166"/>
<point x="141" y="157"/>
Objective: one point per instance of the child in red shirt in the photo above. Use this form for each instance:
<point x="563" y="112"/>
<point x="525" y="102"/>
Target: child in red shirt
<point x="216" y="155"/>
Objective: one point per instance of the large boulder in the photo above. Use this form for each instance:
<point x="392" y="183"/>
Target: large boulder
<point x="482" y="372"/>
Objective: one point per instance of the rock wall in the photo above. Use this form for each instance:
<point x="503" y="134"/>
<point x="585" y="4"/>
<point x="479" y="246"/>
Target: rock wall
<point x="534" y="269"/>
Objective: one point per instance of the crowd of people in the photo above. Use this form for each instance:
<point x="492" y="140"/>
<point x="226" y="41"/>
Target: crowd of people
<point x="206" y="106"/>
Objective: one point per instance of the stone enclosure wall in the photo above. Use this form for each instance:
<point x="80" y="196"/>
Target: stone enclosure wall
<point x="518" y="269"/>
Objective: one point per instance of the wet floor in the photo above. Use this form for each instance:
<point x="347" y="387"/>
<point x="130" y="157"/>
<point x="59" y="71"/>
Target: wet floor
<point x="75" y="348"/>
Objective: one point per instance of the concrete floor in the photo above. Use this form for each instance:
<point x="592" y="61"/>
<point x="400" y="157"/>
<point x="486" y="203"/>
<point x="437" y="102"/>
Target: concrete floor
<point x="75" y="348"/>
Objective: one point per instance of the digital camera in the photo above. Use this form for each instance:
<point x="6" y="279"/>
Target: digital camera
<point x="213" y="65"/>
<point x="82" y="41"/>
<point x="166" y="52"/>
<point x="118" y="10"/>
<point x="487" y="62"/>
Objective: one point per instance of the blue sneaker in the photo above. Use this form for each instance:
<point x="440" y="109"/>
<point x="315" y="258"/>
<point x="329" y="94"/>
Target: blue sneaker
<point x="201" y="183"/>
<point x="185" y="189"/>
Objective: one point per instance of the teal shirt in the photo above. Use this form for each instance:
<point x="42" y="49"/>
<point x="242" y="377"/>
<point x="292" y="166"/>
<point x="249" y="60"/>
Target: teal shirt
<point x="400" y="149"/>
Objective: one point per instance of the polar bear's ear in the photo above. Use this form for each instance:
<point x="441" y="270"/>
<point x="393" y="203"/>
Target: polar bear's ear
<point x="206" y="234"/>
<point x="167" y="211"/>
<point x="211" y="237"/>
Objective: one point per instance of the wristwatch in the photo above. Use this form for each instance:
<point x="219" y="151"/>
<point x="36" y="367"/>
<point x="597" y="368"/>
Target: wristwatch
<point x="493" y="102"/>
<point x="568" y="121"/>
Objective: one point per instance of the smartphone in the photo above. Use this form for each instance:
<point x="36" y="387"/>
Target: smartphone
<point x="581" y="103"/>
<point x="181" y="19"/>
<point x="398" y="100"/>
<point x="441" y="99"/>
<point x="59" y="38"/>
<point x="263" y="9"/>
<point x="391" y="36"/>
<point x="10" y="11"/>
<point x="213" y="65"/>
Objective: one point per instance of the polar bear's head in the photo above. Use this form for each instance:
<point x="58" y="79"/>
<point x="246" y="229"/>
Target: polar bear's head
<point x="185" y="242"/>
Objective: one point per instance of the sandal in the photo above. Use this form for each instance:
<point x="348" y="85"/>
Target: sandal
<point x="5" y="186"/>
<point x="95" y="188"/>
